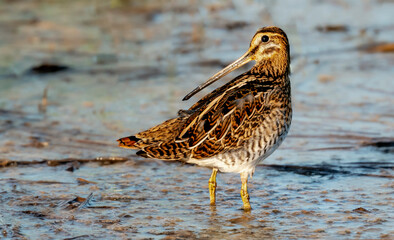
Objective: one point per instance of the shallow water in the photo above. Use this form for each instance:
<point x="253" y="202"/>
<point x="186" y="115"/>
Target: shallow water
<point x="154" y="200"/>
<point x="129" y="66"/>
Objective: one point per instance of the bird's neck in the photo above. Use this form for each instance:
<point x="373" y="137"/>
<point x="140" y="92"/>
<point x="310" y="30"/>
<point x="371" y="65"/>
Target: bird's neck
<point x="272" y="74"/>
<point x="273" y="67"/>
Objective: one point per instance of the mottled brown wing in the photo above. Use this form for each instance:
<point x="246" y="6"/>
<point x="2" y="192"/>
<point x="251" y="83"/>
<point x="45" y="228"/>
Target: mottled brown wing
<point x="154" y="136"/>
<point x="222" y="120"/>
<point x="159" y="141"/>
<point x="165" y="131"/>
<point x="163" y="142"/>
<point x="227" y="120"/>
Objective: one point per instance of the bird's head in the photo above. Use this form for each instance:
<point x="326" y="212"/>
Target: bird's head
<point x="270" y="50"/>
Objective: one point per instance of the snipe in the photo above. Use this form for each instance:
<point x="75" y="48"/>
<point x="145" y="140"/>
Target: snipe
<point x="236" y="126"/>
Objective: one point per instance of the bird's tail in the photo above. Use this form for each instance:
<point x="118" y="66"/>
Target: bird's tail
<point x="128" y="142"/>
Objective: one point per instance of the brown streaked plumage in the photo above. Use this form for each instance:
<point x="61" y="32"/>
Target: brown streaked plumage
<point x="237" y="125"/>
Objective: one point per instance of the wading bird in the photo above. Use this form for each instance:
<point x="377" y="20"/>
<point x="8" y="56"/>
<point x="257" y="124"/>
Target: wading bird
<point x="237" y="125"/>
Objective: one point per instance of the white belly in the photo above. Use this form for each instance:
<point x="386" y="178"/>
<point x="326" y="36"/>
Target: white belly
<point x="243" y="159"/>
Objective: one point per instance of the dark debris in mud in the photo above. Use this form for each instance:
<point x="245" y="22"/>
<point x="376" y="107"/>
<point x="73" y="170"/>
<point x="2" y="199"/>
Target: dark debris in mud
<point x="73" y="162"/>
<point x="333" y="28"/>
<point x="76" y="203"/>
<point x="48" y="68"/>
<point x="236" y="25"/>
<point x="383" y="47"/>
<point x="330" y="170"/>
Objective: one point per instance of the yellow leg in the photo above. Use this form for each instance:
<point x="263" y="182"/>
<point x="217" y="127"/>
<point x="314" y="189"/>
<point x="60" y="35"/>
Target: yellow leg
<point x="212" y="186"/>
<point x="244" y="191"/>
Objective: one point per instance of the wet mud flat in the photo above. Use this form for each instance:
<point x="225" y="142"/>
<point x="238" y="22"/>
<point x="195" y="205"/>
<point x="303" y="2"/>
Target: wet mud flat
<point x="75" y="77"/>
<point x="150" y="199"/>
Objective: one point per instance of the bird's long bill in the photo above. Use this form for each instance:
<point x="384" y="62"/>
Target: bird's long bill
<point x="247" y="57"/>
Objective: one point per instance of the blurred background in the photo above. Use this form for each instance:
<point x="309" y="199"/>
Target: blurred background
<point x="76" y="76"/>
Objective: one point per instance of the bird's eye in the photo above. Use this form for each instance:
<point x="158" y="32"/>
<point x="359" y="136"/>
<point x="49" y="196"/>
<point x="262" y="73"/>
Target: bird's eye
<point x="265" y="38"/>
